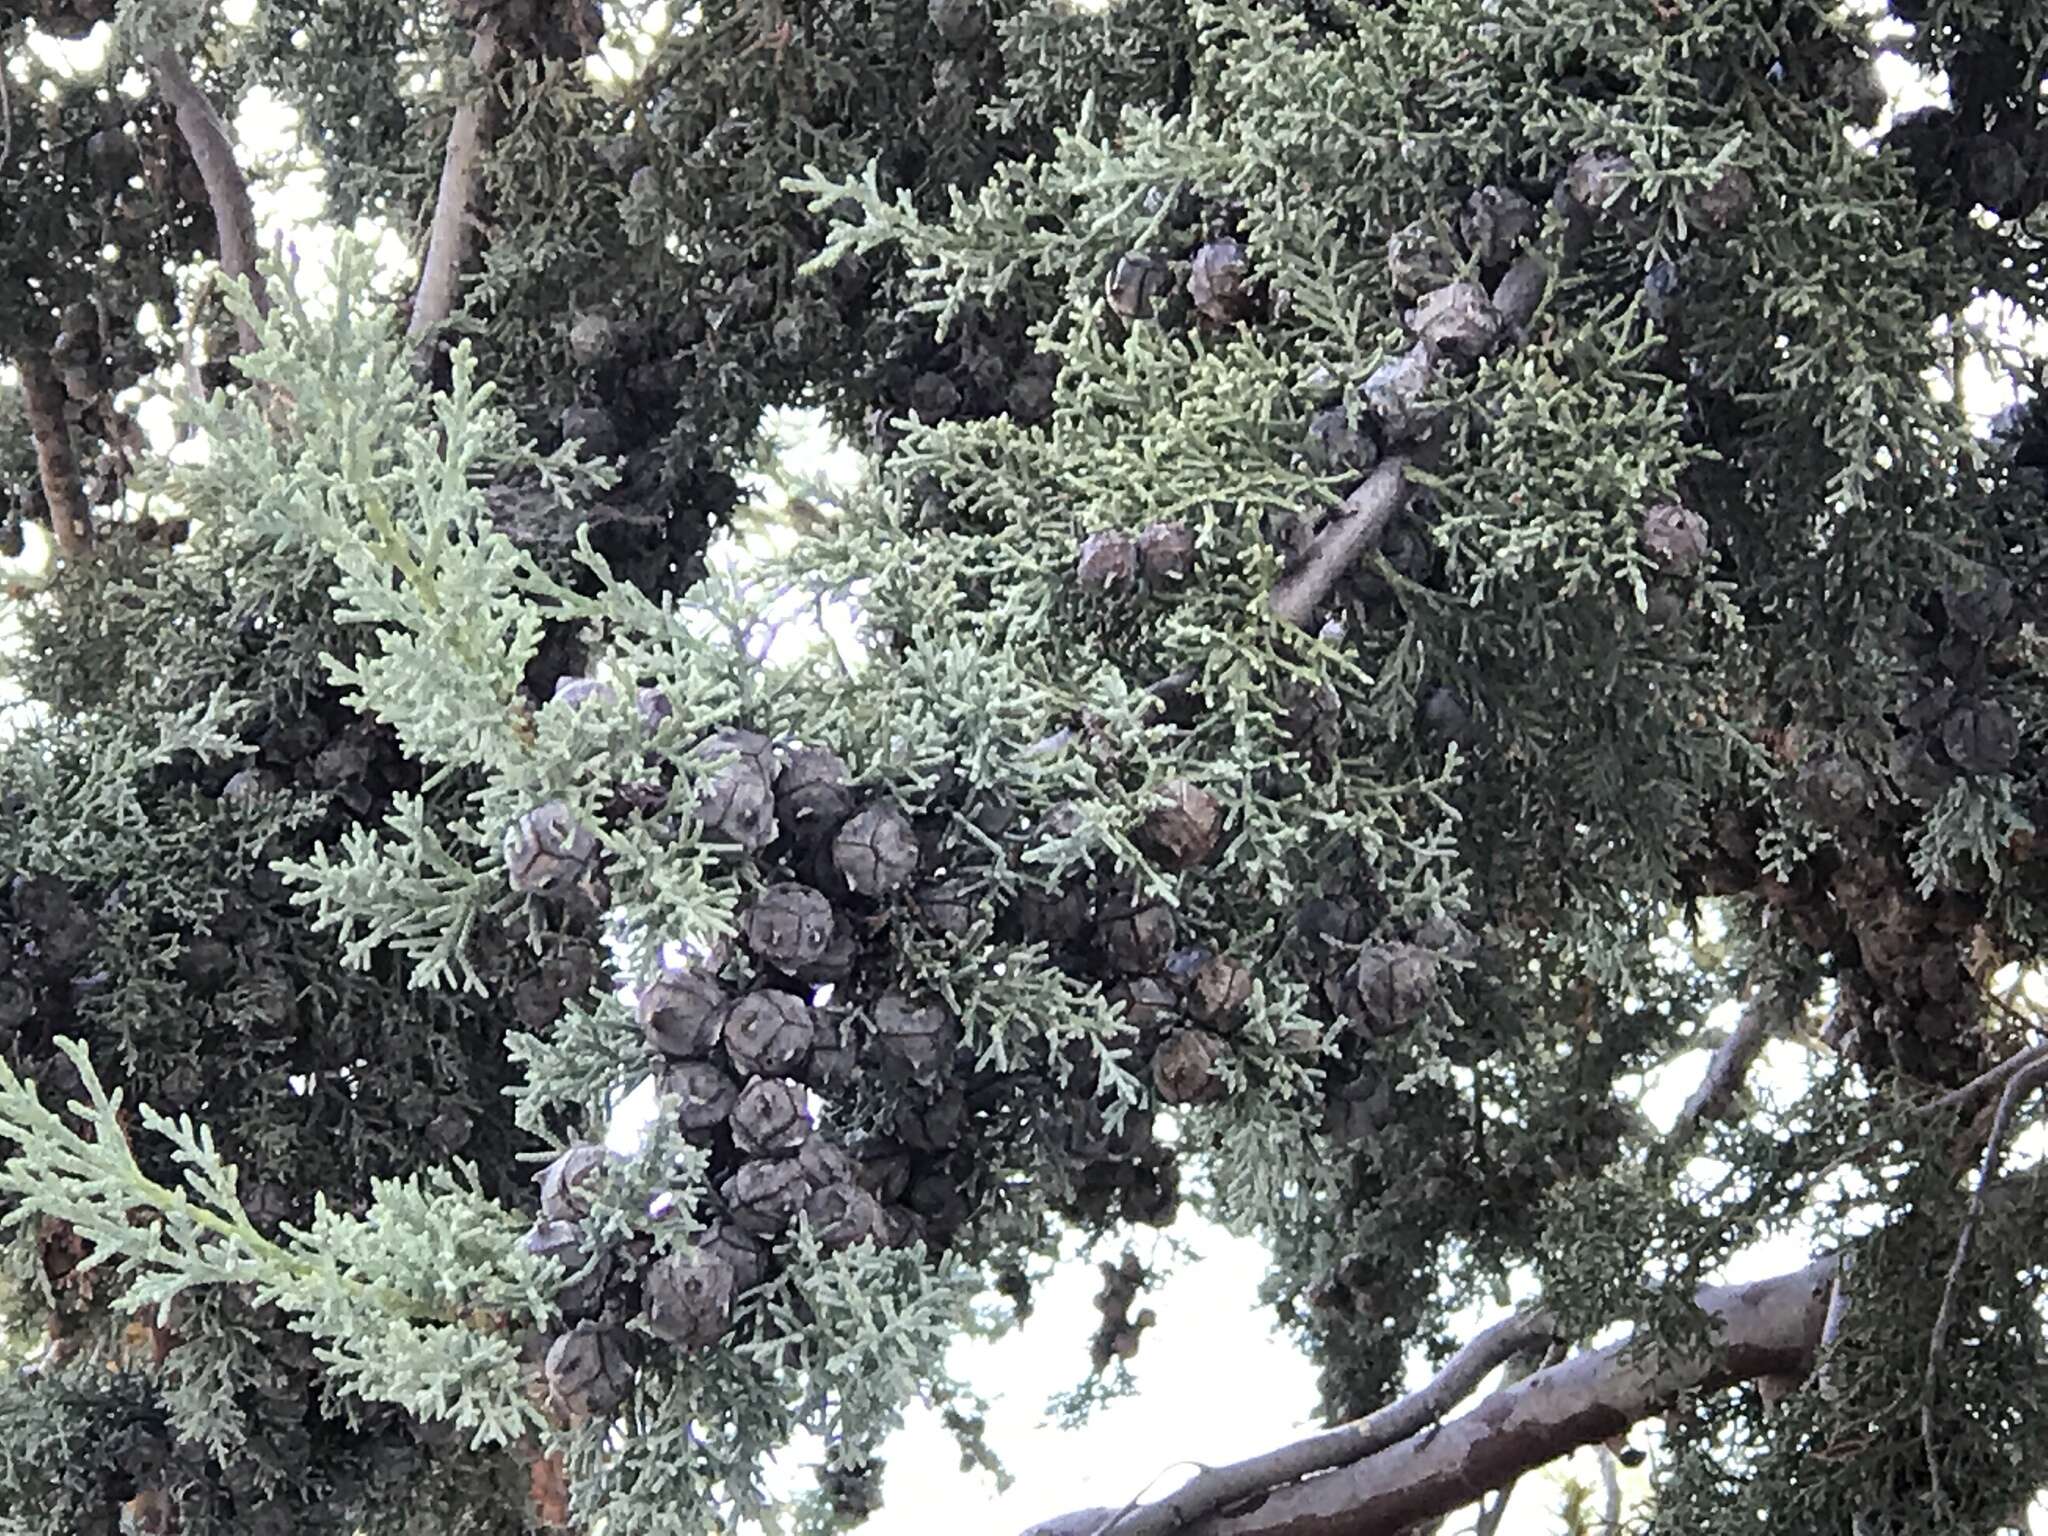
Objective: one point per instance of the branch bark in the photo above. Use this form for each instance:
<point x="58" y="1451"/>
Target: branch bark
<point x="1216" y="1487"/>
<point x="234" y="216"/>
<point x="449" y="236"/>
<point x="56" y="461"/>
<point x="1366" y="513"/>
<point x="1766" y="1014"/>
<point x="1401" y="1466"/>
<point x="1768" y="1328"/>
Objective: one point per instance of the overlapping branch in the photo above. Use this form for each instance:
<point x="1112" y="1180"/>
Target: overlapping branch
<point x="450" y="236"/>
<point x="234" y="216"/>
<point x="56" y="460"/>
<point x="1420" y="1467"/>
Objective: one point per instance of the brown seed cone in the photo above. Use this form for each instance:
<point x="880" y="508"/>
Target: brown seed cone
<point x="1138" y="939"/>
<point x="567" y="1182"/>
<point x="876" y="852"/>
<point x="933" y="1126"/>
<point x="765" y="1195"/>
<point x="843" y="1214"/>
<point x="1184" y="1067"/>
<point x="548" y="850"/>
<point x="681" y="1012"/>
<point x="788" y="925"/>
<point x="814" y="792"/>
<point x="736" y="802"/>
<point x="1182" y="830"/>
<point x="1106" y="561"/>
<point x="589" y="1370"/>
<point x="705" y="1092"/>
<point x="1166" y="551"/>
<point x="1218" y="993"/>
<point x="920" y="1038"/>
<point x="770" y="1118"/>
<point x="1675" y="537"/>
<point x="1394" y="984"/>
<point x="687" y="1298"/>
<point x="768" y="1033"/>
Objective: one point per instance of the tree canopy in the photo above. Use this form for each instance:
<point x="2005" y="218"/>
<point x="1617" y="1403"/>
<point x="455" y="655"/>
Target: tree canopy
<point x="1420" y="564"/>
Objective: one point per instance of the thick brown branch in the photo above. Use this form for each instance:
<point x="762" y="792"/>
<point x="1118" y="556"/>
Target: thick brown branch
<point x="449" y="236"/>
<point x="234" y="216"/>
<point x="1358" y="527"/>
<point x="43" y="400"/>
<point x="1767" y="1328"/>
<point x="1215" y="1487"/>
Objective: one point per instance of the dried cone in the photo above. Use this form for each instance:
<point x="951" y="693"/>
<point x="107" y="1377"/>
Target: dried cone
<point x="1150" y="1003"/>
<point x="768" y="1034"/>
<point x="589" y="1370"/>
<point x="1395" y="392"/>
<point x="548" y="850"/>
<point x="1218" y="993"/>
<point x="1496" y="224"/>
<point x="1135" y="284"/>
<point x="1675" y="537"/>
<point x="566" y="1183"/>
<point x="738" y="1251"/>
<point x="1724" y="207"/>
<point x="770" y="1118"/>
<point x="814" y="792"/>
<point x="876" y="851"/>
<point x="736" y="802"/>
<point x="934" y="1126"/>
<point x="681" y="1012"/>
<point x="788" y="925"/>
<point x="831" y="1066"/>
<point x="687" y="1298"/>
<point x="1167" y="552"/>
<point x="918" y="1037"/>
<point x="1139" y="939"/>
<point x="1419" y="258"/>
<point x="705" y="1094"/>
<point x="1183" y="828"/>
<point x="1596" y="184"/>
<point x="947" y="907"/>
<point x="1106" y="561"/>
<point x="1219" y="281"/>
<point x="1395" y="984"/>
<point x="1184" y="1067"/>
<point x="843" y="1215"/>
<point x="766" y="1194"/>
<point x="582" y="1293"/>
<point x="1457" y="321"/>
<point x="1980" y="737"/>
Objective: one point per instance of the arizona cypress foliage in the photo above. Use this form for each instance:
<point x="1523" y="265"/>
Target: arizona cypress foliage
<point x="1411" y="553"/>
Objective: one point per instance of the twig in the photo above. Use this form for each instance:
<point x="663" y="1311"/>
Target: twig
<point x="1364" y="518"/>
<point x="1610" y="1480"/>
<point x="206" y="136"/>
<point x="448" y="237"/>
<point x="1730" y="1065"/>
<point x="43" y="399"/>
<point x="1984" y="1082"/>
<point x="2021" y="1083"/>
<point x="1213" y="1488"/>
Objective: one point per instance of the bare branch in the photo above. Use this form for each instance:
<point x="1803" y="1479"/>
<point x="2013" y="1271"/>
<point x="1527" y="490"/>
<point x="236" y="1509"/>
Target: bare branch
<point x="206" y="136"/>
<point x="1769" y="1327"/>
<point x="1358" y="527"/>
<point x="43" y="400"/>
<point x="1215" y="1488"/>
<point x="1766" y="1014"/>
<point x="1984" y="1082"/>
<point x="454" y="223"/>
<point x="1610" y="1480"/>
<point x="2018" y="1087"/>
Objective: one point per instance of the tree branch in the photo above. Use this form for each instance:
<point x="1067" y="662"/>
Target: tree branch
<point x="1770" y="1327"/>
<point x="234" y="216"/>
<point x="449" y="236"/>
<point x="1358" y="527"/>
<point x="43" y="401"/>
<point x="1216" y="1487"/>
<point x="1765" y="1015"/>
<point x="1382" y="1473"/>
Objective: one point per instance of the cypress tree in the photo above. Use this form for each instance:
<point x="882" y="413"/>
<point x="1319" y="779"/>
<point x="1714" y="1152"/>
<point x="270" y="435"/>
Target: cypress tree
<point x="1421" y="567"/>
